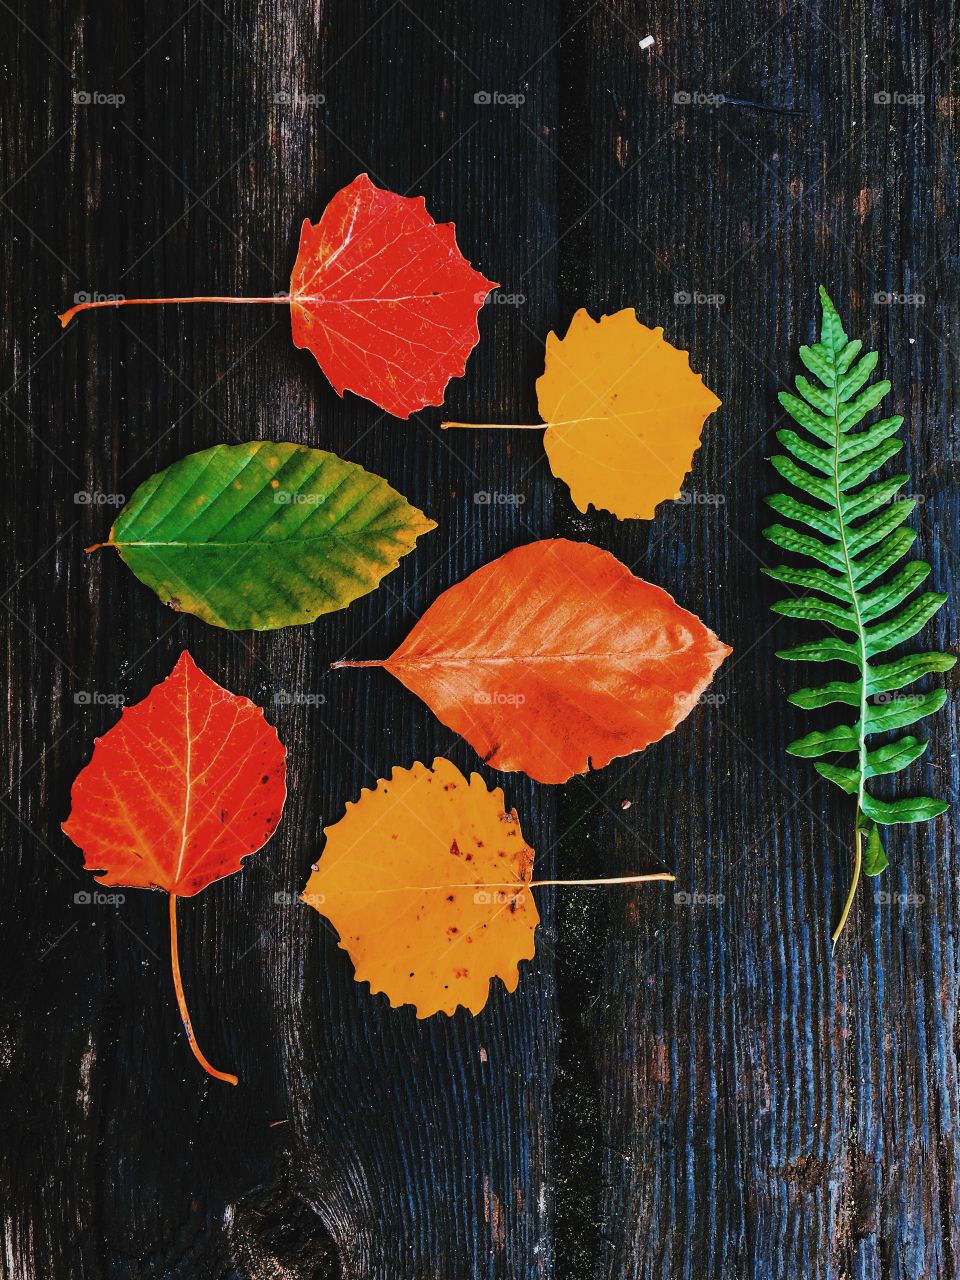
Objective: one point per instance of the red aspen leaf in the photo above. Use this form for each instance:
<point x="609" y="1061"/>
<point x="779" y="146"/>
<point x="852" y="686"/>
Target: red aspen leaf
<point x="427" y="881"/>
<point x="380" y="295"/>
<point x="184" y="786"/>
<point x="623" y="413"/>
<point x="384" y="299"/>
<point x="555" y="659"/>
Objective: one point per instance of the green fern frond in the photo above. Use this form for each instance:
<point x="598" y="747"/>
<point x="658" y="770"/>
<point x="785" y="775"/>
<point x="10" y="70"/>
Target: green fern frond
<point x="853" y="530"/>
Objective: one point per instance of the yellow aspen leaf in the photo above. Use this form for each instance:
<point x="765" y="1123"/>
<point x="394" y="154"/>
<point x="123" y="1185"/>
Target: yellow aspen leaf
<point x="624" y="413"/>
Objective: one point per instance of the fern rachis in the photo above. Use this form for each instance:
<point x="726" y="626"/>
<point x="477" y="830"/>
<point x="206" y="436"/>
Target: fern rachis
<point x="856" y="536"/>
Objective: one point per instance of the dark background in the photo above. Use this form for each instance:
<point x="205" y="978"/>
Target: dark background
<point x="675" y="1090"/>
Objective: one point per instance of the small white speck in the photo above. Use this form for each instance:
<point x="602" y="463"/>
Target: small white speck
<point x="911" y="341"/>
<point x="647" y="42"/>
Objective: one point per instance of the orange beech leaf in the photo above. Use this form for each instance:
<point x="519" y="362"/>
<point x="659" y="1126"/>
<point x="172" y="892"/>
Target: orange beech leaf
<point x="623" y="411"/>
<point x="187" y="783"/>
<point x="427" y="881"/>
<point x="555" y="659"/>
<point x="380" y="295"/>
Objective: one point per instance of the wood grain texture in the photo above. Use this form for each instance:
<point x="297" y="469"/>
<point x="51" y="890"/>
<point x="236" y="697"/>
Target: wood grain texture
<point x="677" y="1089"/>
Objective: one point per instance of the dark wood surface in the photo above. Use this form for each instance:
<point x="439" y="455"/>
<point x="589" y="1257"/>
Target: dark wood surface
<point x="676" y="1089"/>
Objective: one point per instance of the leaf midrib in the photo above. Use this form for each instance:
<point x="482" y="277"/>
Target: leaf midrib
<point x="264" y="543"/>
<point x="491" y="660"/>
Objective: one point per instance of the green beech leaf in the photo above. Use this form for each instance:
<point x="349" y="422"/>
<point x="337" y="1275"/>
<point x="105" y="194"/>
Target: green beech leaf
<point x="858" y="536"/>
<point x="258" y="536"/>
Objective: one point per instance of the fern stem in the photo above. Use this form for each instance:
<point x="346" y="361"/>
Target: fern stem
<point x="857" y="861"/>
<point x="862" y="641"/>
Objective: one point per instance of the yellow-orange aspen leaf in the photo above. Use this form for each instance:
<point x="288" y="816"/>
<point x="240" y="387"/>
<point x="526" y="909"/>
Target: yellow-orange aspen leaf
<point x="426" y="879"/>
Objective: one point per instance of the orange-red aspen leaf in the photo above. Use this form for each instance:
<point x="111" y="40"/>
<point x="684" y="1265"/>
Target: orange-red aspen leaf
<point x="427" y="881"/>
<point x="184" y="786"/>
<point x="623" y="412"/>
<point x="380" y="295"/>
<point x="555" y="659"/>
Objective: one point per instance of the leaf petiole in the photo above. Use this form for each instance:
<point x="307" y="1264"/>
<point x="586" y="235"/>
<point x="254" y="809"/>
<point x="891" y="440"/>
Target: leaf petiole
<point x="497" y="426"/>
<point x="226" y="1076"/>
<point x="65" y="317"/>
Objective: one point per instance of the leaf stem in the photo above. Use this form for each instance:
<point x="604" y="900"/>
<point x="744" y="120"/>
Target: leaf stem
<point x="857" y="861"/>
<point x="182" y="1003"/>
<point x="496" y="426"/>
<point x="276" y="299"/>
<point x="602" y="880"/>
